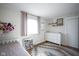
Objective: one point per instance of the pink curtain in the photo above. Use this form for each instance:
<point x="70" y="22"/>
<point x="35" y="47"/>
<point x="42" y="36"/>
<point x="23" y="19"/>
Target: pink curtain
<point x="23" y="23"/>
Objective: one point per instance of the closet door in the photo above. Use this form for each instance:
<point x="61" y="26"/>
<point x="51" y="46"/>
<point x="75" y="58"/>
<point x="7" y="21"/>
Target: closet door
<point x="71" y="30"/>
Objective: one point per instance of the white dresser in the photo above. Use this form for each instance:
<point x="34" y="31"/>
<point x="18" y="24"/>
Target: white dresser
<point x="53" y="37"/>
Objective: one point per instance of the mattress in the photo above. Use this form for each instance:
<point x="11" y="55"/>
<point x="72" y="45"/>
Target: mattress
<point x="12" y="49"/>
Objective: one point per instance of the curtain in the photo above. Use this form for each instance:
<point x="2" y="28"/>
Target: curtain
<point x="23" y="23"/>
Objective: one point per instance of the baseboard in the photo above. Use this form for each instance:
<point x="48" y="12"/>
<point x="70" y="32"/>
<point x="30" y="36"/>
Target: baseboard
<point x="70" y="47"/>
<point x="39" y="43"/>
<point x="65" y="46"/>
<point x="57" y="44"/>
<point x="53" y="43"/>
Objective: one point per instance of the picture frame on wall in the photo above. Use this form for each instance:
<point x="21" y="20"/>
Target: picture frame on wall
<point x="60" y="22"/>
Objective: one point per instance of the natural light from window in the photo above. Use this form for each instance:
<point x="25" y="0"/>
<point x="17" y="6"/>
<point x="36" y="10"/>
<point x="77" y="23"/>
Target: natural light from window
<point x="32" y="26"/>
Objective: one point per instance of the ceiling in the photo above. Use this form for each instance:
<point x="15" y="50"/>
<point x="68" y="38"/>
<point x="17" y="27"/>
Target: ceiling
<point x="49" y="10"/>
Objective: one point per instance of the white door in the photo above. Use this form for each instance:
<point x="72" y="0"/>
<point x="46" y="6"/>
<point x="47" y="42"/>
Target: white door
<point x="71" y="29"/>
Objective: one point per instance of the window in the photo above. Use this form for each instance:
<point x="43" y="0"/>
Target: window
<point x="32" y="26"/>
<point x="29" y="24"/>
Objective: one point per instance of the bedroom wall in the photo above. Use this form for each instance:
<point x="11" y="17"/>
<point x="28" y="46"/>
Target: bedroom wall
<point x="69" y="31"/>
<point x="13" y="16"/>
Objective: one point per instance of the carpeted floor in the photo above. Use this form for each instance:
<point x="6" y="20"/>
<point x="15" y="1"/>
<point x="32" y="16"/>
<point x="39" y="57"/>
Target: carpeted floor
<point x="50" y="49"/>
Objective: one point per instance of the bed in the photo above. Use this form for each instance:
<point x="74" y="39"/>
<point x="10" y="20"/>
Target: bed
<point x="12" y="48"/>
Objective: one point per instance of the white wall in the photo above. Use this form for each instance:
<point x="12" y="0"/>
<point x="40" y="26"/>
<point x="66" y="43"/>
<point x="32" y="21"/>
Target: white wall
<point x="12" y="16"/>
<point x="69" y="31"/>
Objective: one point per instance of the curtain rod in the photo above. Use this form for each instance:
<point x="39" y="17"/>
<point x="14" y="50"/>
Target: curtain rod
<point x="30" y="14"/>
